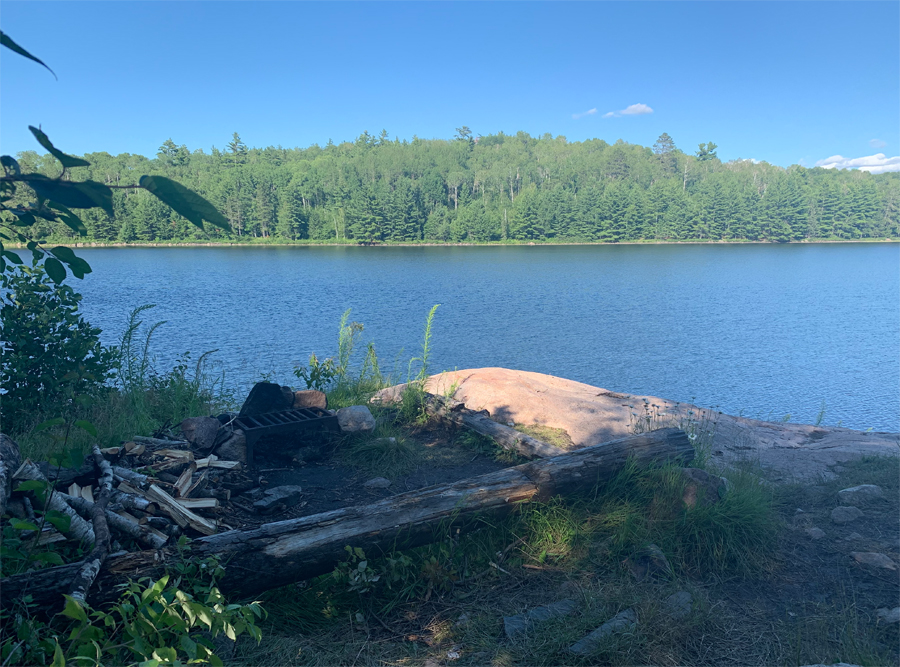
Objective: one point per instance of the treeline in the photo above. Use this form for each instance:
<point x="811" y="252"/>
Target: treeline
<point x="491" y="188"/>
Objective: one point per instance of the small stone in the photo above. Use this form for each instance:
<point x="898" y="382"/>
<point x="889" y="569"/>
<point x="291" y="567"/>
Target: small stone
<point x="889" y="616"/>
<point x="514" y="625"/>
<point x="815" y="533"/>
<point x="649" y="561"/>
<point x="835" y="664"/>
<point x="621" y="622"/>
<point x="702" y="487"/>
<point x="853" y="537"/>
<point x="234" y="448"/>
<point x="378" y="483"/>
<point x="310" y="398"/>
<point x="286" y="496"/>
<point x="841" y="515"/>
<point x="355" y="419"/>
<point x="873" y="559"/>
<point x="679" y="605"/>
<point x="860" y="493"/>
<point x="200" y="431"/>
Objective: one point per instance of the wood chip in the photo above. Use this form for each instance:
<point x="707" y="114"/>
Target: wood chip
<point x="87" y="493"/>
<point x="176" y="454"/>
<point x="111" y="451"/>
<point x="184" y="480"/>
<point x="198" y="503"/>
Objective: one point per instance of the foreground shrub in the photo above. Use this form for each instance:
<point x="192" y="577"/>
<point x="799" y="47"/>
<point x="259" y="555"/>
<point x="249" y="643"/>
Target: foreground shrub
<point x="50" y="353"/>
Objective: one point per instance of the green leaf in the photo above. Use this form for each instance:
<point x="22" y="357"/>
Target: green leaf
<point x="12" y="257"/>
<point x="157" y="588"/>
<point x="50" y="423"/>
<point x="12" y="46"/>
<point x="183" y="201"/>
<point x="62" y="522"/>
<point x="83" y="194"/>
<point x="77" y="265"/>
<point x="74" y="610"/>
<point x="10" y="164"/>
<point x="32" y="485"/>
<point x="149" y="663"/>
<point x="66" y="160"/>
<point x="55" y="270"/>
<point x="71" y="220"/>
<point x="49" y="557"/>
<point x="59" y="660"/>
<point x="22" y="525"/>
<point x="85" y="425"/>
<point x="165" y="654"/>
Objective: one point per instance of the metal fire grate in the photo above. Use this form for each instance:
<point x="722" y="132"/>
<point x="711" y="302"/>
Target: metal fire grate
<point x="284" y="422"/>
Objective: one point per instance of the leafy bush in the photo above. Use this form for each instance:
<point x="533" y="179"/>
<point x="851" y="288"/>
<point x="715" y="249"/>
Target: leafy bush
<point x="50" y="353"/>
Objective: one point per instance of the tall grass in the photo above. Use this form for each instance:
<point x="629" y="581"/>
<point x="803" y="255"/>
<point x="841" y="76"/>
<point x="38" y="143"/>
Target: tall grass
<point x="143" y="400"/>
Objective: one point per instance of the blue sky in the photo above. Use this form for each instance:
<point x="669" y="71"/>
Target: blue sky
<point x="785" y="82"/>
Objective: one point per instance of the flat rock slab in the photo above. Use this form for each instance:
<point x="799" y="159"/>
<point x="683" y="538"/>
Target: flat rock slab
<point x="872" y="559"/>
<point x="861" y="493"/>
<point x="271" y="499"/>
<point x="621" y="622"/>
<point x="355" y="419"/>
<point x="842" y="515"/>
<point x="815" y="533"/>
<point x="591" y="415"/>
<point x="377" y="483"/>
<point x="516" y="625"/>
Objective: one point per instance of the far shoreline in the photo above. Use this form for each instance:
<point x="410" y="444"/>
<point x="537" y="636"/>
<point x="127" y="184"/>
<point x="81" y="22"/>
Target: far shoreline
<point x="438" y="244"/>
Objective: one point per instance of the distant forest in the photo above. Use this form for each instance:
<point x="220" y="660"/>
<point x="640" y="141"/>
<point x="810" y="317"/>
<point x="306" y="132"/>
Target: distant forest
<point x="479" y="189"/>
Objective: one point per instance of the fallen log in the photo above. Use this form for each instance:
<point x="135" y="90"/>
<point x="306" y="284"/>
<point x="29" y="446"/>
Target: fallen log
<point x="282" y="552"/>
<point x="79" y="529"/>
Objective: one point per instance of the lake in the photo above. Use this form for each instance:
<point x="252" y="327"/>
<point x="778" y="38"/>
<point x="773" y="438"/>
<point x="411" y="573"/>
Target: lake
<point x="759" y="330"/>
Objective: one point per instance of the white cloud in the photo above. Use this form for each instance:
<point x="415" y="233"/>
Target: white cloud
<point x="589" y="112"/>
<point x="636" y="110"/>
<point x="633" y="110"/>
<point x="874" y="164"/>
<point x="877" y="143"/>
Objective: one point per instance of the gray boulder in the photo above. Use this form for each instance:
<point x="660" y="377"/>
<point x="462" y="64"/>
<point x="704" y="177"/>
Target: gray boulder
<point x="234" y="448"/>
<point x="860" y="494"/>
<point x="621" y="622"/>
<point x="815" y="533"/>
<point x="872" y="559"/>
<point x="515" y="625"/>
<point x="842" y="515"/>
<point x="355" y="419"/>
<point x="200" y="431"/>
<point x="678" y="605"/>
<point x="377" y="483"/>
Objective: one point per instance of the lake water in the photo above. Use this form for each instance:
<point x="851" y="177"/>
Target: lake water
<point x="758" y="330"/>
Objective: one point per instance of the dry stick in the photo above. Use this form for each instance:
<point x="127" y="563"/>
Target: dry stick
<point x="10" y="460"/>
<point x="79" y="529"/>
<point x="119" y="523"/>
<point x="94" y="561"/>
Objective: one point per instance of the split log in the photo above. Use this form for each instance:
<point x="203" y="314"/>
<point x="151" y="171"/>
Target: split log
<point x="279" y="553"/>
<point x="159" y="442"/>
<point x="182" y="515"/>
<point x="79" y="529"/>
<point x="10" y="460"/>
<point x="506" y="437"/>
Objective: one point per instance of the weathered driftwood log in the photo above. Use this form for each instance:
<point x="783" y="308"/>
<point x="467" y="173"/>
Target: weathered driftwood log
<point x="10" y="460"/>
<point x="506" y="437"/>
<point x="278" y="553"/>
